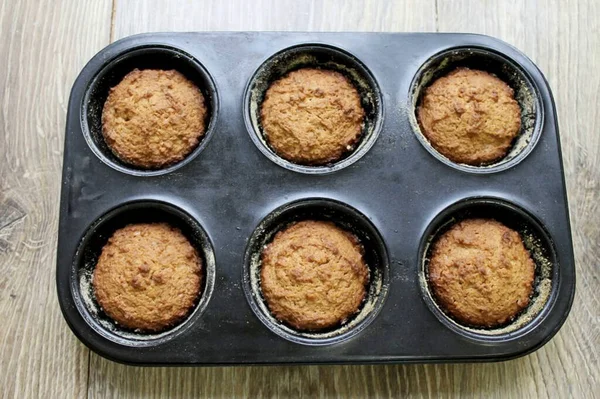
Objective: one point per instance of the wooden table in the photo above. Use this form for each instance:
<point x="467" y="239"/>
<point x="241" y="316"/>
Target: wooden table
<point x="43" y="46"/>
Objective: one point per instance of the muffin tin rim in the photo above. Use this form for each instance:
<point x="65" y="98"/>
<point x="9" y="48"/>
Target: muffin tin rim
<point x="131" y="52"/>
<point x="365" y="143"/>
<point x="208" y="272"/>
<point x="483" y="50"/>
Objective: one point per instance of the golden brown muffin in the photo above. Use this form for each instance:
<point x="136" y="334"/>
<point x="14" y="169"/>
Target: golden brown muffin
<point x="470" y="116"/>
<point x="313" y="275"/>
<point x="481" y="273"/>
<point x="148" y="276"/>
<point x="312" y="116"/>
<point x="153" y="118"/>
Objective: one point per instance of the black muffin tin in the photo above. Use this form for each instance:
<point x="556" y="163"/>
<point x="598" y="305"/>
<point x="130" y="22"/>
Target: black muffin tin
<point x="394" y="191"/>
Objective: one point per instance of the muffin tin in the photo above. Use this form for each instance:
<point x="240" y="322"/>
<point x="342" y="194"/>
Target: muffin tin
<point x="394" y="191"/>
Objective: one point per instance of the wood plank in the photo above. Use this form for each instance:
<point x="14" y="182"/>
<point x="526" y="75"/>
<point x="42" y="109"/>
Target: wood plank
<point x="284" y="15"/>
<point x="44" y="45"/>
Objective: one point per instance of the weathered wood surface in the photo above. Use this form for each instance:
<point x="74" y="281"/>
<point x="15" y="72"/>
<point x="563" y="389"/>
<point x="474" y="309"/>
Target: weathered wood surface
<point x="45" y="44"/>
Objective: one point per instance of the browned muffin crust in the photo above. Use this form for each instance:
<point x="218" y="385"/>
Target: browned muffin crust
<point x="148" y="276"/>
<point x="470" y="116"/>
<point x="313" y="275"/>
<point x="312" y="116"/>
<point x="481" y="273"/>
<point x="153" y="118"/>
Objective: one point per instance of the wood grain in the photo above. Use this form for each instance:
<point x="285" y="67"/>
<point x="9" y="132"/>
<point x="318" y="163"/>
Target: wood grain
<point x="45" y="44"/>
<point x="284" y="15"/>
<point x="43" y="47"/>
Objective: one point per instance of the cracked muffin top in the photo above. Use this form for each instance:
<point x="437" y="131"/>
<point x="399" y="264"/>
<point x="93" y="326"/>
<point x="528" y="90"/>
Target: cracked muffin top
<point x="312" y="116"/>
<point x="153" y="118"/>
<point x="313" y="275"/>
<point x="148" y="276"/>
<point x="470" y="116"/>
<point x="481" y="273"/>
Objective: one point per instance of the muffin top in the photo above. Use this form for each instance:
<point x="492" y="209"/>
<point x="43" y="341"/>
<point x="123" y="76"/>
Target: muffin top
<point x="153" y="118"/>
<point x="470" y="116"/>
<point x="148" y="276"/>
<point x="481" y="273"/>
<point x="312" y="116"/>
<point x="313" y="275"/>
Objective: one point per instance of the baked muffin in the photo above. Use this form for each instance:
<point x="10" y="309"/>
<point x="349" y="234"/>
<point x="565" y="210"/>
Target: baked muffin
<point x="148" y="276"/>
<point x="470" y="116"/>
<point x="312" y="116"/>
<point x="153" y="118"/>
<point x="313" y="275"/>
<point x="480" y="273"/>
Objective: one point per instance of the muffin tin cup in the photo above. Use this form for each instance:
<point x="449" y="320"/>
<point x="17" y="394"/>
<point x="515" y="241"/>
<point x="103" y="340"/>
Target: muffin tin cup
<point x="525" y="91"/>
<point x="345" y="217"/>
<point x="314" y="56"/>
<point x="230" y="200"/>
<point x="90" y="247"/>
<point x="144" y="57"/>
<point x="536" y="241"/>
